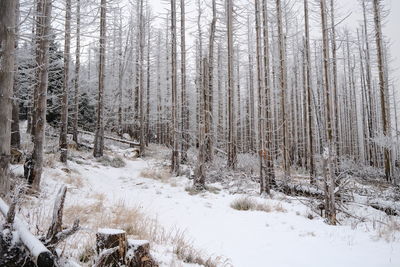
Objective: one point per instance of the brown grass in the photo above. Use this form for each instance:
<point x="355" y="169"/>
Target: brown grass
<point x="248" y="203"/>
<point x="136" y="225"/>
<point x="162" y="174"/>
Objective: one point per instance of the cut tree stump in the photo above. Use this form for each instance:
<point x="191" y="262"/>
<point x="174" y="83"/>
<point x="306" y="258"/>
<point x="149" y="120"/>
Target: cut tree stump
<point x="108" y="239"/>
<point x="138" y="254"/>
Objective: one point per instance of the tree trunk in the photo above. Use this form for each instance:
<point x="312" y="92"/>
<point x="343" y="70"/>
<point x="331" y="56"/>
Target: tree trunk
<point x="77" y="69"/>
<point x="382" y="88"/>
<point x="7" y="58"/>
<point x="309" y="95"/>
<point x="328" y="150"/>
<point x="99" y="137"/>
<point x="184" y="100"/>
<point x="42" y="61"/>
<point x="283" y="88"/>
<point x="232" y="149"/>
<point x="175" y="143"/>
<point x="64" y="97"/>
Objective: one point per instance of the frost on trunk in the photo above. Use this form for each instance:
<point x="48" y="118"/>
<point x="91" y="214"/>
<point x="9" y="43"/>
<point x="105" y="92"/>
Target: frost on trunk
<point x="64" y="96"/>
<point x="283" y="88"/>
<point x="40" y="95"/>
<point x="77" y="69"/>
<point x="328" y="161"/>
<point x="99" y="137"/>
<point x="385" y="114"/>
<point x="174" y="124"/>
<point x="7" y="48"/>
<point x="232" y="147"/>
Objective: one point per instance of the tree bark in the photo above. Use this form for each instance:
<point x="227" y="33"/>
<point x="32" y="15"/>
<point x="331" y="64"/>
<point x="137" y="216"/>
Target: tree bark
<point x="175" y="143"/>
<point x="7" y="58"/>
<point x="64" y="97"/>
<point x="42" y="61"/>
<point x="77" y="70"/>
<point x="99" y="137"/>
<point x="382" y="88"/>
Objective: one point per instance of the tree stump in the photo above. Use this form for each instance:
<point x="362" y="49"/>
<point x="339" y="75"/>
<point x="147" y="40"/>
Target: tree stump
<point x="111" y="238"/>
<point x="138" y="254"/>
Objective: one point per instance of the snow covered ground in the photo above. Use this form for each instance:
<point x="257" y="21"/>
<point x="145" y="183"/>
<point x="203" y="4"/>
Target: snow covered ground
<point x="283" y="236"/>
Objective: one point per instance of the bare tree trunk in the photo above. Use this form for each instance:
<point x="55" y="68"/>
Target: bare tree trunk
<point x="147" y="130"/>
<point x="15" y="133"/>
<point x="264" y="185"/>
<point x="382" y="87"/>
<point x="42" y="61"/>
<point x="335" y="106"/>
<point x="77" y="69"/>
<point x="175" y="143"/>
<point x="209" y="137"/>
<point x="99" y="137"/>
<point x="184" y="100"/>
<point x="270" y="171"/>
<point x="327" y="155"/>
<point x="232" y="149"/>
<point x="7" y="58"/>
<point x="64" y="97"/>
<point x="283" y="88"/>
<point x="251" y="125"/>
<point x="309" y="95"/>
<point x="141" y="82"/>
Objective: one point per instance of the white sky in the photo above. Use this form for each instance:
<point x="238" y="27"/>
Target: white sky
<point x="391" y="28"/>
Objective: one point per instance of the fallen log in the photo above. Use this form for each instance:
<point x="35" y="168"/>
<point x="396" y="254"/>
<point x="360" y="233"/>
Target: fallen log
<point x="41" y="256"/>
<point x="124" y="141"/>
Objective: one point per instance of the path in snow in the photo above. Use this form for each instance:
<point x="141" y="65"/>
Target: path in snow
<point x="247" y="238"/>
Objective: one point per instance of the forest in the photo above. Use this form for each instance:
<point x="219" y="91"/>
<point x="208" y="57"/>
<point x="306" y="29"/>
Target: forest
<point x="198" y="133"/>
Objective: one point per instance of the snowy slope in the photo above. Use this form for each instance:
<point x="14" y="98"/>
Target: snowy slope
<point x="247" y="238"/>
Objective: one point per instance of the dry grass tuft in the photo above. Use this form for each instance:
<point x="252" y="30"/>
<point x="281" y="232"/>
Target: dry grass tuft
<point x="116" y="162"/>
<point x="389" y="231"/>
<point x="76" y="181"/>
<point x="248" y="203"/>
<point x="162" y="174"/>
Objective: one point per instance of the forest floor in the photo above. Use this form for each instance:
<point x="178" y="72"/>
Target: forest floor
<point x="186" y="227"/>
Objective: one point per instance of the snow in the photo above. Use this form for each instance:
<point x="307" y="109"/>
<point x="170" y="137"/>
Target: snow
<point x="30" y="241"/>
<point x="283" y="237"/>
<point x="109" y="231"/>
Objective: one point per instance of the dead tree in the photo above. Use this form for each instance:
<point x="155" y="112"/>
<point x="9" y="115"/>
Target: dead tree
<point x="283" y="88"/>
<point x="175" y="143"/>
<point x="64" y="96"/>
<point x="99" y="137"/>
<point x="15" y="132"/>
<point x="209" y="136"/>
<point x="77" y="69"/>
<point x="42" y="60"/>
<point x="270" y="172"/>
<point x="310" y="149"/>
<point x="328" y="171"/>
<point x="382" y="87"/>
<point x="184" y="98"/>
<point x="7" y="36"/>
<point x="232" y="146"/>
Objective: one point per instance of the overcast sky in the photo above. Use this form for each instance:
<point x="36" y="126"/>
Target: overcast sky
<point x="390" y="30"/>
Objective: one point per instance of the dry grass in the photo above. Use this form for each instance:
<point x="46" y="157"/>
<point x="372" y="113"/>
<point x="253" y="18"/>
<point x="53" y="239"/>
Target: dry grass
<point x="390" y="231"/>
<point x="248" y="203"/>
<point x="76" y="181"/>
<point x="116" y="162"/>
<point x="137" y="225"/>
<point x="162" y="174"/>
